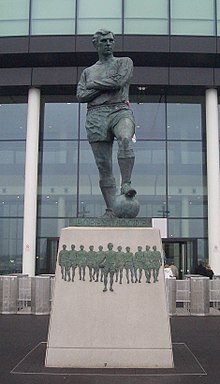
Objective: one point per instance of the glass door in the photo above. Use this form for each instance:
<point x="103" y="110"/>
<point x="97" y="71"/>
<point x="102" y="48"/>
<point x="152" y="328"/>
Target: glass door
<point x="181" y="252"/>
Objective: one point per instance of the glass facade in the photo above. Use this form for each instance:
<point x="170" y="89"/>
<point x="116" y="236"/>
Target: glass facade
<point x="50" y="18"/>
<point x="12" y="162"/>
<point x="67" y="17"/>
<point x="169" y="171"/>
<point x="193" y="17"/>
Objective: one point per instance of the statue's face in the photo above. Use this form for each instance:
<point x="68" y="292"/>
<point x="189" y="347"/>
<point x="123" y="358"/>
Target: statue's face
<point x="105" y="44"/>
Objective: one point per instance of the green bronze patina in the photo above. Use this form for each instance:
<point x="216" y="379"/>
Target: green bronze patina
<point x="103" y="264"/>
<point x="105" y="88"/>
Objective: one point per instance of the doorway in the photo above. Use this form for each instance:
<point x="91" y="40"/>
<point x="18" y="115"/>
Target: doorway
<point x="51" y="254"/>
<point x="183" y="252"/>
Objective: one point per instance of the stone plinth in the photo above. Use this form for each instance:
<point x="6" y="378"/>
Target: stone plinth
<point x="123" y="328"/>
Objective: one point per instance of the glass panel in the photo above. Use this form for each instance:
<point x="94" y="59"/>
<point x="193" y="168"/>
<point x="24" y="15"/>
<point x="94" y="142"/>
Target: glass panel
<point x="14" y="10"/>
<point x="145" y="17"/>
<point x="14" y="28"/>
<point x="148" y="8"/>
<point x="149" y="176"/>
<point x="93" y="15"/>
<point x="49" y="227"/>
<point x="187" y="228"/>
<point x="202" y="249"/>
<point x="13" y="121"/>
<point x="11" y="232"/>
<point x="192" y="27"/>
<point x="196" y="9"/>
<point x="193" y="18"/>
<point x="149" y="119"/>
<point x="146" y="27"/>
<point x="184" y="119"/>
<point x="55" y="9"/>
<point x="218" y="17"/>
<point x="83" y="110"/>
<point x="90" y="26"/>
<point x="57" y="17"/>
<point x="12" y="158"/>
<point x="186" y="179"/>
<point x="61" y="121"/>
<point x="57" y="179"/>
<point x="14" y="17"/>
<point x="53" y="27"/>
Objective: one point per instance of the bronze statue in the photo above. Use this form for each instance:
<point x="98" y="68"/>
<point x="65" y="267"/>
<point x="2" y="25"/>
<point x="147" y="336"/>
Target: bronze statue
<point x="105" y="87"/>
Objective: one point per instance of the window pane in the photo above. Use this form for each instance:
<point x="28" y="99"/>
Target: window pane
<point x="12" y="158"/>
<point x="83" y="110"/>
<point x="187" y="228"/>
<point x="13" y="121"/>
<point x="11" y="232"/>
<point x="57" y="179"/>
<point x="149" y="120"/>
<point x="184" y="119"/>
<point x="218" y="17"/>
<point x="93" y="15"/>
<point x="192" y="17"/>
<point x="186" y="179"/>
<point x="53" y="27"/>
<point x="61" y="121"/>
<point x="14" y="17"/>
<point x="57" y="17"/>
<point x="146" y="17"/>
<point x="148" y="176"/>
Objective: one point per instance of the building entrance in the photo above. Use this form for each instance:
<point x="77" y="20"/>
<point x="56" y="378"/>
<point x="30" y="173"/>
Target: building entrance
<point x="183" y="252"/>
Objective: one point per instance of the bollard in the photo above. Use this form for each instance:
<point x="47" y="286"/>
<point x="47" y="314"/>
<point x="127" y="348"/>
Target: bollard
<point x="40" y="295"/>
<point x="171" y="295"/>
<point x="199" y="304"/>
<point x="8" y="294"/>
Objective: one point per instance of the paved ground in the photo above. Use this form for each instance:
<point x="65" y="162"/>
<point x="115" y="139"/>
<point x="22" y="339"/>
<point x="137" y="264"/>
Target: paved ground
<point x="196" y="345"/>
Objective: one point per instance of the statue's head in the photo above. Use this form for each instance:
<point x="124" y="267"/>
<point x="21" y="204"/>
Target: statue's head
<point x="110" y="245"/>
<point x="100" y="33"/>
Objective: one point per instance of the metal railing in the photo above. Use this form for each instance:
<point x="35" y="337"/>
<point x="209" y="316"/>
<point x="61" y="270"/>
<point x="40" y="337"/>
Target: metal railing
<point x="21" y="294"/>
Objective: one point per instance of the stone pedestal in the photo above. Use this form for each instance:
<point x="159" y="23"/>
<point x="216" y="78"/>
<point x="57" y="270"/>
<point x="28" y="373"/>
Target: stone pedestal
<point x="123" y="328"/>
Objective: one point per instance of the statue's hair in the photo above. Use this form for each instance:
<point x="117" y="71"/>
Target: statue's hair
<point x="100" y="32"/>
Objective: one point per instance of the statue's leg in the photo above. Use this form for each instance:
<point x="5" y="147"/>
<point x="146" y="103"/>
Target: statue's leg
<point x="105" y="281"/>
<point x="124" y="132"/>
<point x="111" y="281"/>
<point x="103" y="156"/>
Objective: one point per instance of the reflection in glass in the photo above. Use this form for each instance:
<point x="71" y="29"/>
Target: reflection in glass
<point x="184" y="120"/>
<point x="11" y="232"/>
<point x="149" y="176"/>
<point x="146" y="17"/>
<point x="13" y="121"/>
<point x="101" y="15"/>
<point x="57" y="179"/>
<point x="187" y="228"/>
<point x="14" y="17"/>
<point x="149" y="119"/>
<point x="52" y="19"/>
<point x="192" y="17"/>
<point x="186" y="179"/>
<point x="60" y="121"/>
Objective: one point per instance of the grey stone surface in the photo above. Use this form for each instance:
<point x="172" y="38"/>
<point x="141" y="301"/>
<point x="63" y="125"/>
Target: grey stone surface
<point x="121" y="328"/>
